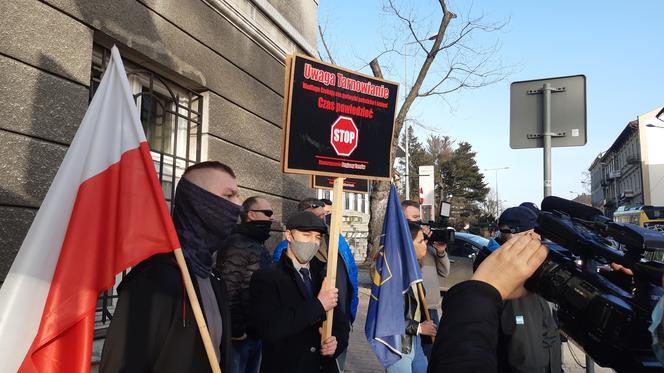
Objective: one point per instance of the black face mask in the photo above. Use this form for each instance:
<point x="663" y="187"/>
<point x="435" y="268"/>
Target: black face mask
<point x="258" y="230"/>
<point x="203" y="221"/>
<point x="328" y="219"/>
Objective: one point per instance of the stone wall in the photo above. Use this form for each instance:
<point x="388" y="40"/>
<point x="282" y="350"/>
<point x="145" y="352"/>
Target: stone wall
<point x="45" y="59"/>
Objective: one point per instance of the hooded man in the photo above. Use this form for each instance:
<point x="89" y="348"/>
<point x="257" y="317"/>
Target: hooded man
<point x="153" y="328"/>
<point x="241" y="255"/>
<point x="289" y="304"/>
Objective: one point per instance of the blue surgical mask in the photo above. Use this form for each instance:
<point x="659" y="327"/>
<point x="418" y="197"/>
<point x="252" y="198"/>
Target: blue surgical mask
<point x="657" y="344"/>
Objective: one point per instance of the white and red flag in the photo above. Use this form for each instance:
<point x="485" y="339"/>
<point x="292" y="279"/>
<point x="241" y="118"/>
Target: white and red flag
<point x="104" y="212"/>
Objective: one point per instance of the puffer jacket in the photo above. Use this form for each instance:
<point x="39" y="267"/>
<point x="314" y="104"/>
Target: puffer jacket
<point x="241" y="255"/>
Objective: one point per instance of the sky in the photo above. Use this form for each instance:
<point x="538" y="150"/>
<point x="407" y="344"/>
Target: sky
<point x="618" y="46"/>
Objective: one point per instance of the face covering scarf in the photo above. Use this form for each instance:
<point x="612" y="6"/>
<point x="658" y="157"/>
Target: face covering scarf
<point x="259" y="229"/>
<point x="203" y="221"/>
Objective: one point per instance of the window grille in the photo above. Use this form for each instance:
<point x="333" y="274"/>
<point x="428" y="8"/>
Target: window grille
<point x="172" y="120"/>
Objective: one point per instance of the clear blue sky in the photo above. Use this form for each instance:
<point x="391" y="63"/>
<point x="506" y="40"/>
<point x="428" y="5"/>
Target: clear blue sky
<point x="617" y="45"/>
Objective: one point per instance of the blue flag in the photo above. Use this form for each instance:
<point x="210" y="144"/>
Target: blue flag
<point x="396" y="270"/>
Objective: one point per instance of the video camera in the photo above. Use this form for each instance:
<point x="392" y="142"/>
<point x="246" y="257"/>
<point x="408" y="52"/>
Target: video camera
<point x="610" y="323"/>
<point x="440" y="232"/>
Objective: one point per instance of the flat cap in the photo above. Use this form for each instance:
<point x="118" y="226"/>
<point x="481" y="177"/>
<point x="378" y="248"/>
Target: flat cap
<point x="306" y="221"/>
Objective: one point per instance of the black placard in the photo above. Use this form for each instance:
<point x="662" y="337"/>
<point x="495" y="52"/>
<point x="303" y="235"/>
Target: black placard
<point x="351" y="185"/>
<point x="337" y="122"/>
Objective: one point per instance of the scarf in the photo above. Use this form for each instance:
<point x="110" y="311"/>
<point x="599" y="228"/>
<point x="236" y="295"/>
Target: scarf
<point x="203" y="221"/>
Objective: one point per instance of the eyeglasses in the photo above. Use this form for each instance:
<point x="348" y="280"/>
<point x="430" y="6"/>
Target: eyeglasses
<point x="267" y="213"/>
<point x="315" y="205"/>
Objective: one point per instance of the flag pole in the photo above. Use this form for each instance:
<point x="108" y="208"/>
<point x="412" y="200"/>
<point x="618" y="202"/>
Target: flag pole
<point x="198" y="313"/>
<point x="333" y="250"/>
<point x="423" y="300"/>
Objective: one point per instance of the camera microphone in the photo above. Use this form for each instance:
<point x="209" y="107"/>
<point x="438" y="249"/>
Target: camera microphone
<point x="573" y="209"/>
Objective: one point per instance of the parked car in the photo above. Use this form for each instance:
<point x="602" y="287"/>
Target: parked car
<point x="462" y="252"/>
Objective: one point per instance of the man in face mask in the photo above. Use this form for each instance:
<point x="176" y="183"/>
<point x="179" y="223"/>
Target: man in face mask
<point x="288" y="304"/>
<point x="344" y="314"/>
<point x="153" y="327"/>
<point x="239" y="257"/>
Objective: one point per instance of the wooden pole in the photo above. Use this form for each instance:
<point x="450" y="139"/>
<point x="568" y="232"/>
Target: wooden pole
<point x="333" y="249"/>
<point x="425" y="308"/>
<point x="198" y="313"/>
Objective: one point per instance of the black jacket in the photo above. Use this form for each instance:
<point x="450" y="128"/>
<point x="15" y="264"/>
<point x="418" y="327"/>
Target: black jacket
<point x="410" y="299"/>
<point x="467" y="337"/>
<point x="529" y="339"/>
<point x="288" y="319"/>
<point x="149" y="331"/>
<point x="241" y="255"/>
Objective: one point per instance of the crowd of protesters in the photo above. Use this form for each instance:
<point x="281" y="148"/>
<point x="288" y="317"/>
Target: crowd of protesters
<point x="264" y="311"/>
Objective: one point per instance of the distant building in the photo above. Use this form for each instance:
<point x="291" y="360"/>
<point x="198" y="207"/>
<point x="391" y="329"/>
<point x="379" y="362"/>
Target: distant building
<point x="584" y="199"/>
<point x="631" y="171"/>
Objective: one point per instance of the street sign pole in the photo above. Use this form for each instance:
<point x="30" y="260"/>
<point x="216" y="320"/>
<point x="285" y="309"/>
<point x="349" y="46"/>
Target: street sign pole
<point x="546" y="109"/>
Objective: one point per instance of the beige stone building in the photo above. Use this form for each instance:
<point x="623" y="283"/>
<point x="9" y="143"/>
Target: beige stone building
<point x="631" y="171"/>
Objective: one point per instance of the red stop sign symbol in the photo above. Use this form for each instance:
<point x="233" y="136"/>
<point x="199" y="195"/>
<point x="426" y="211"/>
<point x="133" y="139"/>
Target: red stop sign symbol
<point x="344" y="136"/>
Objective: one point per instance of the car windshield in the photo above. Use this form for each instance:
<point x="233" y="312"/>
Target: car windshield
<point x="478" y="240"/>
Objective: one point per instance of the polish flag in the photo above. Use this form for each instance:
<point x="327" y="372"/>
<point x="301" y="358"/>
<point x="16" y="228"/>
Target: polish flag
<point x="104" y="212"/>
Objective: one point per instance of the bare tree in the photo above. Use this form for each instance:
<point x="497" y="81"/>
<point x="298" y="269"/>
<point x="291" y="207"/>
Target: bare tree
<point x="450" y="63"/>
<point x="491" y="205"/>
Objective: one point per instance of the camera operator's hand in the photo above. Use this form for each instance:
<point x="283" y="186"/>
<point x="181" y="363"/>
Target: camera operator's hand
<point x="440" y="247"/>
<point x="621" y="268"/>
<point x="426" y="230"/>
<point x="428" y="328"/>
<point x="508" y="268"/>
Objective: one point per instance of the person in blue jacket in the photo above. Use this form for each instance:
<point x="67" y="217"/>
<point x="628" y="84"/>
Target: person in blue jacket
<point x="346" y="309"/>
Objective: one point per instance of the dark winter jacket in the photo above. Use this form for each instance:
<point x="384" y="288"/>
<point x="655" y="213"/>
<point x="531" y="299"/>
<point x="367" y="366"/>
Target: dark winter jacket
<point x="467" y="336"/>
<point x="240" y="256"/>
<point x="529" y="335"/>
<point x="153" y="327"/>
<point x="288" y="320"/>
<point x="529" y="338"/>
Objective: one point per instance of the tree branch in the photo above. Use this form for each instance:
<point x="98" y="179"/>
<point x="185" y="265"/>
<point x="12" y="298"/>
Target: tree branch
<point x="327" y="50"/>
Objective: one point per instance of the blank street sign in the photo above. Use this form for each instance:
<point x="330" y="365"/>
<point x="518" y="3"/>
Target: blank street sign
<point x="568" y="112"/>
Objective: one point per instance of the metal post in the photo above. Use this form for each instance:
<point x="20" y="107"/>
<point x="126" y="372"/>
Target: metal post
<point x="546" y="135"/>
<point x="590" y="364"/>
<point x="497" y="198"/>
<point x="407" y="162"/>
<point x="405" y="84"/>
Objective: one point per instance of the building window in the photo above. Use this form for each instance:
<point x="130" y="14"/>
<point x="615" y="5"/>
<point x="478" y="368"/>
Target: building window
<point x="171" y="116"/>
<point x="172" y="120"/>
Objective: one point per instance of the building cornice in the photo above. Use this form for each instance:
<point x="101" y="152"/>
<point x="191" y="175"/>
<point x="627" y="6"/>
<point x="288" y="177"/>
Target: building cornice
<point x="263" y="24"/>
